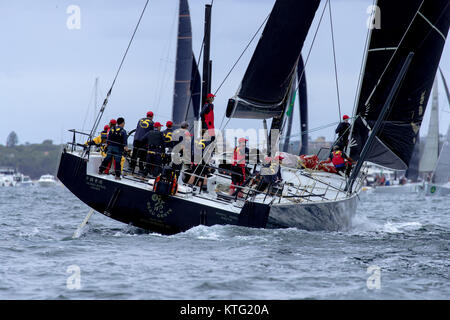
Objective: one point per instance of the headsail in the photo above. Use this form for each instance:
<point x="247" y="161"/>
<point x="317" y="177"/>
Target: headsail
<point x="186" y="98"/>
<point x="266" y="83"/>
<point x="421" y="28"/>
<point x="442" y="171"/>
<point x="431" y="151"/>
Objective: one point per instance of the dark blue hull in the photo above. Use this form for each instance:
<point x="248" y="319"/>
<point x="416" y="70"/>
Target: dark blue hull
<point x="169" y="215"/>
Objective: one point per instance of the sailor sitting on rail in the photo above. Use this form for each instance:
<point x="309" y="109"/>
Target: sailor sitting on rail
<point x="270" y="173"/>
<point x="341" y="161"/>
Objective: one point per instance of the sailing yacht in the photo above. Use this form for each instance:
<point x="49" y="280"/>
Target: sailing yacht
<point x="308" y="198"/>
<point x="439" y="183"/>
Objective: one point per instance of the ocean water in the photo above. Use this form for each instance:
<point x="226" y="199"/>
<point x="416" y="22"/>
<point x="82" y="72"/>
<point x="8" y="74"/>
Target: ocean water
<point x="398" y="248"/>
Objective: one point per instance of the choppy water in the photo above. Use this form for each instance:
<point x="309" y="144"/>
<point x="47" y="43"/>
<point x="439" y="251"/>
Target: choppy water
<point x="406" y="238"/>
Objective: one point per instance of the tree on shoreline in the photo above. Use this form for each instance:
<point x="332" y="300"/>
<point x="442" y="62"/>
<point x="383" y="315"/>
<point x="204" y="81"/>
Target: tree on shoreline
<point x="12" y="139"/>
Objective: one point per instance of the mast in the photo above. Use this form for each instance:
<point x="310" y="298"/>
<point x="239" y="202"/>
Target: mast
<point x="290" y="117"/>
<point x="207" y="63"/>
<point x="95" y="97"/>
<point x="186" y="95"/>
<point x="303" y="105"/>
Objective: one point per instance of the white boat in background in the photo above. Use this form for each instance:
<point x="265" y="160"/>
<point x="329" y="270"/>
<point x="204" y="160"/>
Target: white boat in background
<point x="8" y="177"/>
<point x="26" y="181"/>
<point x="47" y="180"/>
<point x="383" y="180"/>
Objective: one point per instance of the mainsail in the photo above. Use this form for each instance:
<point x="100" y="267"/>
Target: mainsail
<point x="431" y="151"/>
<point x="421" y="28"/>
<point x="186" y="97"/>
<point x="270" y="73"/>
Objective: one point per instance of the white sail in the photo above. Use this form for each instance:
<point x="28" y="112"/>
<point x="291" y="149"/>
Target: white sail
<point x="431" y="151"/>
<point x="442" y="172"/>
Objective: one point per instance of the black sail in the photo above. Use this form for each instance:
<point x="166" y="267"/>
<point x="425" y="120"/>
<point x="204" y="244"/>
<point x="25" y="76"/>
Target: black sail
<point x="269" y="75"/>
<point x="303" y="104"/>
<point x="187" y="78"/>
<point x="419" y="26"/>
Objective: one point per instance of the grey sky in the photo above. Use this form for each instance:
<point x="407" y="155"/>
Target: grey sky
<point x="47" y="71"/>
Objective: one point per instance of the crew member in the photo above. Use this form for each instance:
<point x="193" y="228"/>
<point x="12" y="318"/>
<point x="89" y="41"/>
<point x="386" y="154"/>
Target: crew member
<point x="155" y="143"/>
<point x="207" y="115"/>
<point x="341" y="161"/>
<point x="100" y="140"/>
<point x="238" y="167"/>
<point x="112" y="123"/>
<point x="168" y="141"/>
<point x="199" y="161"/>
<point x="265" y="175"/>
<point x="178" y="140"/>
<point x="143" y="126"/>
<point x="117" y="143"/>
<point x="343" y="131"/>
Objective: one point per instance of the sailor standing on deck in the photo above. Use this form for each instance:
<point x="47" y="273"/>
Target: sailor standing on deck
<point x="144" y="125"/>
<point x="240" y="156"/>
<point x="207" y="115"/>
<point x="343" y="131"/>
<point x="156" y="145"/>
<point x="117" y="143"/>
<point x="168" y="141"/>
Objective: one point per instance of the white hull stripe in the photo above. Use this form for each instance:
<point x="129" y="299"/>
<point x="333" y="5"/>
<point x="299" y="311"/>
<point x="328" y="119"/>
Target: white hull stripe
<point x="432" y="25"/>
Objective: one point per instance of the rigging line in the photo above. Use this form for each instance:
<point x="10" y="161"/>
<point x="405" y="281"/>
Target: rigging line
<point x="245" y="49"/>
<point x="393" y="55"/>
<point x="312" y="44"/>
<point x="237" y="61"/>
<point x="195" y="78"/>
<point x="335" y="63"/>
<point x="309" y="53"/>
<point x="105" y="102"/>
<point x="166" y="62"/>
<point x="361" y="71"/>
<point x="88" y="108"/>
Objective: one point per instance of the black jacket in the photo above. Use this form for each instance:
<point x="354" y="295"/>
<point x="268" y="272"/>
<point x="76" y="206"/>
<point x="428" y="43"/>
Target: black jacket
<point x="155" y="140"/>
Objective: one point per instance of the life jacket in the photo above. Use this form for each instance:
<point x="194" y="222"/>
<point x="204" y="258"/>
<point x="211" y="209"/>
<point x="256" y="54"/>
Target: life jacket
<point x="208" y="115"/>
<point x="116" y="136"/>
<point x="168" y="137"/>
<point x="104" y="135"/>
<point x="144" y="125"/>
<point x="239" y="157"/>
<point x="337" y="160"/>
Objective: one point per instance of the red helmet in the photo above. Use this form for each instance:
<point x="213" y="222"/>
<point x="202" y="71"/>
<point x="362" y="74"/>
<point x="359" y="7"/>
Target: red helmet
<point x="169" y="124"/>
<point x="242" y="140"/>
<point x="345" y="117"/>
<point x="267" y="159"/>
<point x="106" y="127"/>
<point x="210" y="95"/>
<point x="112" y="122"/>
<point x="149" y="114"/>
<point x="157" y="124"/>
<point x="278" y="158"/>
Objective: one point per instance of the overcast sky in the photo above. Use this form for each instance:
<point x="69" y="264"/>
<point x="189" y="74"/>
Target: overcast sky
<point x="47" y="71"/>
